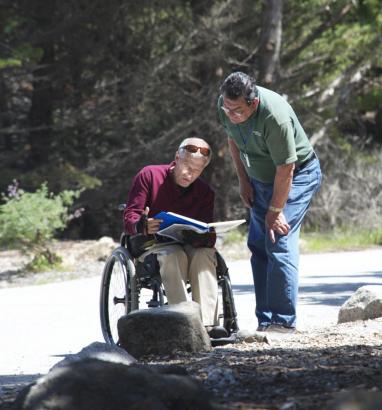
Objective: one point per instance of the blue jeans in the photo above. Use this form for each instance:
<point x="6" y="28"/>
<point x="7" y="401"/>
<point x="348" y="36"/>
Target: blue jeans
<point x="275" y="265"/>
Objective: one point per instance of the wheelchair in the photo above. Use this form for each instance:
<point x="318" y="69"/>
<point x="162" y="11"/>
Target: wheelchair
<point x="129" y="284"/>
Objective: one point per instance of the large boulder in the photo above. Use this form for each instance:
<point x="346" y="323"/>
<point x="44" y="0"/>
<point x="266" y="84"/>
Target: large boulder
<point x="365" y="303"/>
<point x="164" y="330"/>
<point x="98" y="385"/>
<point x="100" y="351"/>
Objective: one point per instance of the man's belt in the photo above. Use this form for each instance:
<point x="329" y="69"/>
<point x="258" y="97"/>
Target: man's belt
<point x="301" y="166"/>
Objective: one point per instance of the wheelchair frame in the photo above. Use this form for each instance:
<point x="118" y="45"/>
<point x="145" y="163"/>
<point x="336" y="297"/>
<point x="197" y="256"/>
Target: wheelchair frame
<point x="123" y="279"/>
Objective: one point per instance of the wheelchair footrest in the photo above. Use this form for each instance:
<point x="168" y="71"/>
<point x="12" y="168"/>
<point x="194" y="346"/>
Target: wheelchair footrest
<point x="224" y="340"/>
<point x="153" y="303"/>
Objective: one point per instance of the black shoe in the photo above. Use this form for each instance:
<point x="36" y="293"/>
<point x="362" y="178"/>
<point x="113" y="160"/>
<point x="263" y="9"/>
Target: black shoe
<point x="216" y="332"/>
<point x="278" y="328"/>
<point x="262" y="328"/>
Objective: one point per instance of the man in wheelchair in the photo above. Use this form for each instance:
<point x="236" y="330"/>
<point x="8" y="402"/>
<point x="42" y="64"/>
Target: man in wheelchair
<point x="177" y="187"/>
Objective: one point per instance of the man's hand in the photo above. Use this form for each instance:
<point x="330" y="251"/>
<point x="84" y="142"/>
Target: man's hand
<point x="246" y="192"/>
<point x="276" y="222"/>
<point x="148" y="226"/>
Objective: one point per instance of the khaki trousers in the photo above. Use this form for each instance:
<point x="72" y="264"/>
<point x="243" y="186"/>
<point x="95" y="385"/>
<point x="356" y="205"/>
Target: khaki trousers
<point x="179" y="263"/>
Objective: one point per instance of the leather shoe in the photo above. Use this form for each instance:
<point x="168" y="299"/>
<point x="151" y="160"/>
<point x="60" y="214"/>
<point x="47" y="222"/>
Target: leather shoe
<point x="278" y="328"/>
<point x="262" y="328"/>
<point x="216" y="332"/>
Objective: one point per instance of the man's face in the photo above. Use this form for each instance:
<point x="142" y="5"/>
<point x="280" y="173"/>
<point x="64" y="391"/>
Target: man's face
<point x="238" y="110"/>
<point x="187" y="170"/>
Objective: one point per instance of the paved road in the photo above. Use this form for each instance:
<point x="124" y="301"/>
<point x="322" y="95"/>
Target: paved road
<point x="42" y="324"/>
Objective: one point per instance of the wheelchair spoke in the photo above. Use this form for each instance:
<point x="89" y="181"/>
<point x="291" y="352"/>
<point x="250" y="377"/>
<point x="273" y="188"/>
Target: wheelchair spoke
<point x="117" y="300"/>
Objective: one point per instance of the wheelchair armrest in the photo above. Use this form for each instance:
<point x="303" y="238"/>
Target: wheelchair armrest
<point x="138" y="244"/>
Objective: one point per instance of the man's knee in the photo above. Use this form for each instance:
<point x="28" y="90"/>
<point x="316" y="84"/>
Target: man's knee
<point x="205" y="254"/>
<point x="175" y="254"/>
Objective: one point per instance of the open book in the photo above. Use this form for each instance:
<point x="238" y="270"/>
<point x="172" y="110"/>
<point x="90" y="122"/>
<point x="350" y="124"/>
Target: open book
<point x="173" y="224"/>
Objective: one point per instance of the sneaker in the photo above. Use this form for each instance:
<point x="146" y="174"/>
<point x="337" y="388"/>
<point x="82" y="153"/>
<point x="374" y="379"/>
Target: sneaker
<point x="216" y="332"/>
<point x="278" y="328"/>
<point x="262" y="328"/>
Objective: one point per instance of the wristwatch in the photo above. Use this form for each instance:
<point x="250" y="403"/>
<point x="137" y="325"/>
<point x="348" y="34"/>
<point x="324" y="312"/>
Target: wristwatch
<point x="274" y="209"/>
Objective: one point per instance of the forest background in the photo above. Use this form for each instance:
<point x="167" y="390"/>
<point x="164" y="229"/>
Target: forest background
<point x="92" y="91"/>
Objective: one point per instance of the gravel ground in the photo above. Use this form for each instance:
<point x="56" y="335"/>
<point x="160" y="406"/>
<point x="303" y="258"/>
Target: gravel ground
<point x="80" y="259"/>
<point x="305" y="370"/>
<point x="300" y="371"/>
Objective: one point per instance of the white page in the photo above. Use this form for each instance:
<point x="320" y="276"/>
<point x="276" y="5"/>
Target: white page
<point x="174" y="231"/>
<point x="226" y="226"/>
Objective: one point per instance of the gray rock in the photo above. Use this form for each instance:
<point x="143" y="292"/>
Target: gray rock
<point x="100" y="250"/>
<point x="219" y="377"/>
<point x="248" y="336"/>
<point x="100" y="351"/>
<point x="165" y="330"/>
<point x="365" y="303"/>
<point x="357" y="399"/>
<point x="99" y="385"/>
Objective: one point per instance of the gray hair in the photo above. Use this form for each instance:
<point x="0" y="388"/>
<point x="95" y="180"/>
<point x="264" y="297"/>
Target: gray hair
<point x="183" y="153"/>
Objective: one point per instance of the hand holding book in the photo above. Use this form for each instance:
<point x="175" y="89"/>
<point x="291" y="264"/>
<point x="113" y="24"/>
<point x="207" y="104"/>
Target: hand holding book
<point x="174" y="224"/>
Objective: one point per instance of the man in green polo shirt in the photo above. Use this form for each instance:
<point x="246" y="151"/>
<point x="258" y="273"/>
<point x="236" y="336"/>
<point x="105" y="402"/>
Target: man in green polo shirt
<point x="278" y="173"/>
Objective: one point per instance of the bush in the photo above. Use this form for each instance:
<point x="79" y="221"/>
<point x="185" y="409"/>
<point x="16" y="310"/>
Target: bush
<point x="29" y="220"/>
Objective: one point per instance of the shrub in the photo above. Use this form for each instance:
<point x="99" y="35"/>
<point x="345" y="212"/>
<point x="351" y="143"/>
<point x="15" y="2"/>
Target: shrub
<point x="29" y="220"/>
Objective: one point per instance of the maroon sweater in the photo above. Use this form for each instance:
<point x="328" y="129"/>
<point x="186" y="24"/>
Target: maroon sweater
<point x="154" y="187"/>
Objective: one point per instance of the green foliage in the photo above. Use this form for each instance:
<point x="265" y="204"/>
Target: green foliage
<point x="9" y="62"/>
<point x="117" y="88"/>
<point x="26" y="53"/>
<point x="59" y="177"/>
<point x="369" y="101"/>
<point x="341" y="240"/>
<point x="237" y="235"/>
<point x="28" y="220"/>
<point x="43" y="261"/>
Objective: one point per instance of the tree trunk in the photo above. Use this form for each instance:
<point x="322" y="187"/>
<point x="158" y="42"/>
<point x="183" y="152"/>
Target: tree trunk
<point x="40" y="114"/>
<point x="40" y="117"/>
<point x="270" y="41"/>
<point x="5" y="139"/>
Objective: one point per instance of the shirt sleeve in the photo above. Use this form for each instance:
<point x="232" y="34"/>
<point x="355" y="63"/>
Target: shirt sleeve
<point x="137" y="200"/>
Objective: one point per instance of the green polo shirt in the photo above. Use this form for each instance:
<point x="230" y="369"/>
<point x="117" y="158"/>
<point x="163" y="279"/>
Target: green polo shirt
<point x="271" y="136"/>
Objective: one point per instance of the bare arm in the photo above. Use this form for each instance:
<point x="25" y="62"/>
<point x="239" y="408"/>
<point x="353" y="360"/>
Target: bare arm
<point x="246" y="190"/>
<point x="275" y="219"/>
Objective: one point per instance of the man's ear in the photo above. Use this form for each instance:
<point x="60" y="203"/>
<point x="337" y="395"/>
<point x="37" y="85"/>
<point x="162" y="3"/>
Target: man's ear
<point x="255" y="102"/>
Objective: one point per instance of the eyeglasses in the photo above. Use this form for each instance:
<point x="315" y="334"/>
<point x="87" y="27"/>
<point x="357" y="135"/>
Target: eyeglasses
<point x="193" y="149"/>
<point x="234" y="113"/>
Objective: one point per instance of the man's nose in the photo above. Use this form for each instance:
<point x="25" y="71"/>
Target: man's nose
<point x="187" y="175"/>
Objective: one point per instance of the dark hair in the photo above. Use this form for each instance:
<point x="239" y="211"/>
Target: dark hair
<point x="239" y="84"/>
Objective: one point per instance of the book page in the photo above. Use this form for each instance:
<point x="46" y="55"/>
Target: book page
<point x="174" y="231"/>
<point x="173" y="224"/>
<point x="221" y="227"/>
<point x="187" y="219"/>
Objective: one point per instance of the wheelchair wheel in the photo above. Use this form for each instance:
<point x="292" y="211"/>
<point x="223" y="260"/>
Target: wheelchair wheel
<point x="119" y="294"/>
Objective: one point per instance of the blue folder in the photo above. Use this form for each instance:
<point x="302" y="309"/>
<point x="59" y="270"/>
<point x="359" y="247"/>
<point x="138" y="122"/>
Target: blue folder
<point x="170" y="219"/>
